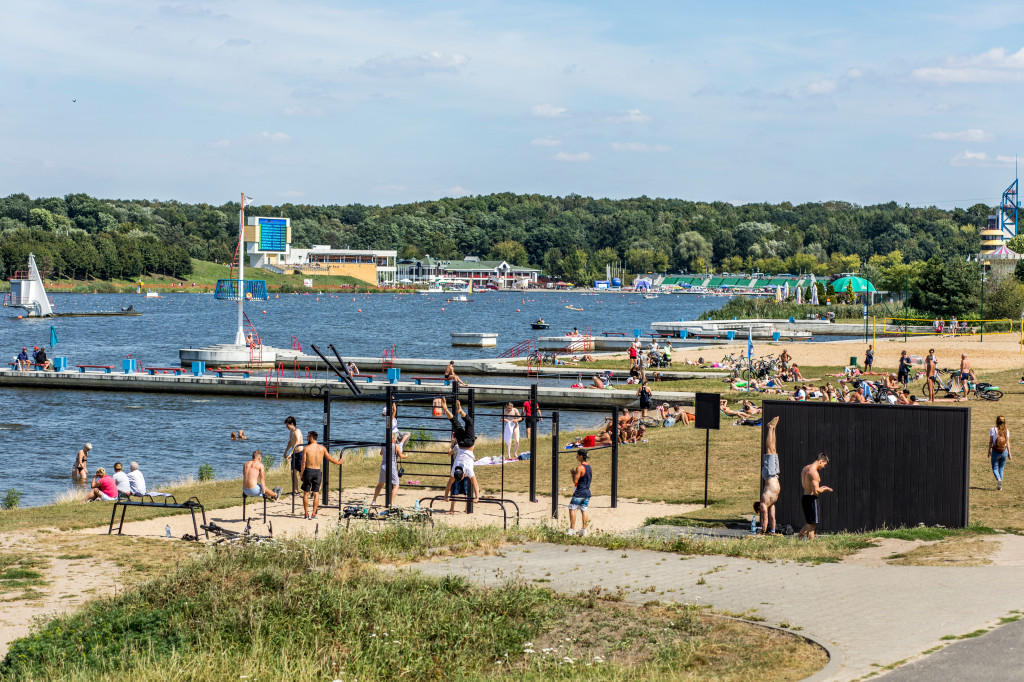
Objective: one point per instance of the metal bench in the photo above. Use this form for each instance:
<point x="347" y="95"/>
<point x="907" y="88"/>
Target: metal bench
<point x="420" y="380"/>
<point x="244" y="496"/>
<point x="165" y="370"/>
<point x="613" y="333"/>
<point x="468" y="499"/>
<point x="124" y="501"/>
<point x="107" y="369"/>
<point x="244" y="372"/>
<point x="369" y="377"/>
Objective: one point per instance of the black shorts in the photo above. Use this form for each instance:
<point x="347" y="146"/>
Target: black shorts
<point x="311" y="480"/>
<point x="810" y="507"/>
<point x="297" y="459"/>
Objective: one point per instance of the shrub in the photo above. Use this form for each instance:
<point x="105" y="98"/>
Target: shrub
<point x="11" y="498"/>
<point x="205" y="472"/>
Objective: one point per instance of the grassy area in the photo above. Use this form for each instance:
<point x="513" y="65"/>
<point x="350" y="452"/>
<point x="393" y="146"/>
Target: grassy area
<point x="205" y="275"/>
<point x="305" y="609"/>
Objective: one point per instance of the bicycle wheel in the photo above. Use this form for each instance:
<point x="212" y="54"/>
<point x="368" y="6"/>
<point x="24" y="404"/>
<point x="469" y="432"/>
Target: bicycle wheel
<point x="745" y="375"/>
<point x="990" y="395"/>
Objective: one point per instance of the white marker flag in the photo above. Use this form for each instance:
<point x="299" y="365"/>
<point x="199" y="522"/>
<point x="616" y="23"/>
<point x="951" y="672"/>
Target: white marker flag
<point x="247" y="201"/>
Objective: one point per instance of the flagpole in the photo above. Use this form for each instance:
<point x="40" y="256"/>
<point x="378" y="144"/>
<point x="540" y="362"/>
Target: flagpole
<point x="239" y="336"/>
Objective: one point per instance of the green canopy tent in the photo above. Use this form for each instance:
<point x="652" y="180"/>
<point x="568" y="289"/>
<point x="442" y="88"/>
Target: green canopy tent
<point x="860" y="285"/>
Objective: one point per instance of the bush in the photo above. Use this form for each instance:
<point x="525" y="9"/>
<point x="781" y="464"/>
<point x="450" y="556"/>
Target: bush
<point x="11" y="498"/>
<point x="205" y="473"/>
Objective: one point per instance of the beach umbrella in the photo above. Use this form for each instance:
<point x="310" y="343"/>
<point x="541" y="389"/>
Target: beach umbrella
<point x="814" y="290"/>
<point x="799" y="295"/>
<point x="860" y="285"/>
<point x="785" y="292"/>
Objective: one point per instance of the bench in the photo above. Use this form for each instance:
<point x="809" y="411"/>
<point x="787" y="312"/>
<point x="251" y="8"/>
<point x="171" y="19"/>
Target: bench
<point x="663" y="335"/>
<point x="124" y="501"/>
<point x="369" y="377"/>
<point x="36" y="366"/>
<point x="107" y="369"/>
<point x="244" y="372"/>
<point x="420" y="380"/>
<point x="613" y="333"/>
<point x="164" y="370"/>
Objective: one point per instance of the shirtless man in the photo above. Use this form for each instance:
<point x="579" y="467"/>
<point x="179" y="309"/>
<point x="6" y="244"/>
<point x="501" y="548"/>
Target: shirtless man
<point x="450" y="375"/>
<point x="784" y="358"/>
<point x="770" y="487"/>
<point x="966" y="374"/>
<point x="930" y="374"/>
<point x="254" y="479"/>
<point x="80" y="470"/>
<point x="313" y="456"/>
<point x="463" y="440"/>
<point x="294" y="448"/>
<point x="858" y="396"/>
<point x="810" y="479"/>
<point x="596" y="383"/>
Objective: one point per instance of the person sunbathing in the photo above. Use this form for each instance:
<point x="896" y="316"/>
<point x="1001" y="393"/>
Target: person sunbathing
<point x="723" y="405"/>
<point x="596" y="383"/>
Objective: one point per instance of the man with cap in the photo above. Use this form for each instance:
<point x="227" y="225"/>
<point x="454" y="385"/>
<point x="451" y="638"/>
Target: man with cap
<point x="22" y="359"/>
<point x="80" y="470"/>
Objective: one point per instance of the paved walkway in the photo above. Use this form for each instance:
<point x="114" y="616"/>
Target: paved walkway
<point x="874" y="614"/>
<point x="995" y="656"/>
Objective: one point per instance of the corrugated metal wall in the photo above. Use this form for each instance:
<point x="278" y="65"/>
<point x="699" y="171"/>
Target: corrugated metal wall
<point x="889" y="466"/>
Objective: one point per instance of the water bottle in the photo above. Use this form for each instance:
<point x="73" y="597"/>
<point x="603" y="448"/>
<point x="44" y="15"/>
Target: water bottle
<point x="753" y="525"/>
<point x="167" y="530"/>
<point x="416" y="505"/>
<point x="366" y="506"/>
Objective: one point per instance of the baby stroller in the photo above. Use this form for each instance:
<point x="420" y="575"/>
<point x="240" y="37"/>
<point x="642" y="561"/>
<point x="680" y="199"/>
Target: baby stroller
<point x="658" y="360"/>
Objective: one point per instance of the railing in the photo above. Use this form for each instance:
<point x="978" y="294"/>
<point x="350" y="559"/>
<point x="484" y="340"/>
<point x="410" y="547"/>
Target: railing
<point x="295" y="345"/>
<point x="272" y="384"/>
<point x="523" y="347"/>
<point x="387" y="358"/>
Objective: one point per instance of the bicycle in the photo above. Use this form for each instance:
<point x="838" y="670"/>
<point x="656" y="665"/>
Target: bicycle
<point x="422" y="515"/>
<point x="240" y="537"/>
<point x="977" y="390"/>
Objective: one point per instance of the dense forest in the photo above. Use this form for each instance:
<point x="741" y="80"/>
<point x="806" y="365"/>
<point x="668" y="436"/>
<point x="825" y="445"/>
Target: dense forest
<point x="571" y="237"/>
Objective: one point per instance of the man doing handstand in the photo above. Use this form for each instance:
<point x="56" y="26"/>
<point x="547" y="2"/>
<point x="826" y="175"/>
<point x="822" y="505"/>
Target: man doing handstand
<point x="770" y="487"/>
<point x="463" y="439"/>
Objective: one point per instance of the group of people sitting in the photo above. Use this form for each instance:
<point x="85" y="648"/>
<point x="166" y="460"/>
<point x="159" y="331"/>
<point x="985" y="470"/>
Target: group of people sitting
<point x="24" y="363"/>
<point x="107" y="488"/>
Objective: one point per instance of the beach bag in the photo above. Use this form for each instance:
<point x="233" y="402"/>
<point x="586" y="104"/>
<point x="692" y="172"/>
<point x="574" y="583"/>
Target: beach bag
<point x="1000" y="445"/>
<point x="588" y="441"/>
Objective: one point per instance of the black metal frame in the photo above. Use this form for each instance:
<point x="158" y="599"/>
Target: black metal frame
<point x="191" y="504"/>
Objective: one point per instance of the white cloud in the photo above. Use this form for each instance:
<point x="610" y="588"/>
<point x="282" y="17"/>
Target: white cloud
<point x="457" y="191"/>
<point x="989" y="67"/>
<point x="315" y="112"/>
<point x="549" y="111"/>
<point x="971" y="135"/>
<point x="855" y="73"/>
<point x="434" y="61"/>
<point x="631" y="116"/>
<point x="640" y="147"/>
<point x="221" y="143"/>
<point x="237" y="42"/>
<point x="276" y="138"/>
<point x="576" y="158"/>
<point x="969" y="158"/>
<point x="824" y="87"/>
<point x="545" y="142"/>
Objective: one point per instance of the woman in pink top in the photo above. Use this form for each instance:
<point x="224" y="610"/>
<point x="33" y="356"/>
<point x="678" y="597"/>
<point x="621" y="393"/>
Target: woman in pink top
<point x="103" y="487"/>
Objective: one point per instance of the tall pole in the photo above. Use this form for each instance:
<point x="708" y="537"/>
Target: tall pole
<point x="906" y="312"/>
<point x="982" y="302"/>
<point x="239" y="336"/>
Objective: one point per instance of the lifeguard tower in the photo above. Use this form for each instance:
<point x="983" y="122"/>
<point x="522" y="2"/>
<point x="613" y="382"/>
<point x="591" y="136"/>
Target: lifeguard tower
<point x="27" y="291"/>
<point x="1002" y="226"/>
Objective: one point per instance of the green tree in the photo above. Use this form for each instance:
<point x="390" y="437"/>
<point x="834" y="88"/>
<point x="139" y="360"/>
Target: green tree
<point x="690" y="247"/>
<point x="948" y="288"/>
<point x="574" y="266"/>
<point x="1005" y="300"/>
<point x="1016" y="243"/>
<point x="511" y="252"/>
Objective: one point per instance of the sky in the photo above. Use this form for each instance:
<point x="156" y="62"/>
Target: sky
<point x="384" y="102"/>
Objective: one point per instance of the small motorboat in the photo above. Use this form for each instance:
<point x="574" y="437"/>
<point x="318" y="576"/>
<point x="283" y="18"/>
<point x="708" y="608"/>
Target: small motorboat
<point x="152" y="294"/>
<point x="572" y="308"/>
<point x="540" y="324"/>
<point x="461" y="298"/>
<point x="650" y="296"/>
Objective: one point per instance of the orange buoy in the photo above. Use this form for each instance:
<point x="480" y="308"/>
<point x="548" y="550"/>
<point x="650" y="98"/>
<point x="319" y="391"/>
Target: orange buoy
<point x="517" y="310"/>
<point x="360" y="310"/>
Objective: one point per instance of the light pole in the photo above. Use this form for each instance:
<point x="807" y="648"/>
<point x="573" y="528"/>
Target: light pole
<point x="983" y="266"/>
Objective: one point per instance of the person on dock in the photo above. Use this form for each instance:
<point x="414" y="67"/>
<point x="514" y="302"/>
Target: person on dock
<point x="22" y="359"/>
<point x="39" y="358"/>
<point x="293" y="451"/>
<point x="254" y="478"/>
<point x="582" y="476"/>
<point x="80" y="470"/>
<point x="396" y="454"/>
<point x="510" y="419"/>
<point x="450" y="375"/>
<point x="463" y="440"/>
<point x="352" y="368"/>
<point x="103" y="487"/>
<point x="770" y="487"/>
<point x="596" y="382"/>
<point x="810" y="479"/>
<point x="313" y="456"/>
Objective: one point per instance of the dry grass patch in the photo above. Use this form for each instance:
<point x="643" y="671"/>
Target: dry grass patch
<point x="954" y="551"/>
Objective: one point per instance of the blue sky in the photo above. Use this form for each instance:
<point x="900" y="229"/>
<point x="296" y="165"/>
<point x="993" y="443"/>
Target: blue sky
<point x="387" y="102"/>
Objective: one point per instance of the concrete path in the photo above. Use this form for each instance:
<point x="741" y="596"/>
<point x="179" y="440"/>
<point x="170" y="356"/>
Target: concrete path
<point x="995" y="656"/>
<point x="875" y="615"/>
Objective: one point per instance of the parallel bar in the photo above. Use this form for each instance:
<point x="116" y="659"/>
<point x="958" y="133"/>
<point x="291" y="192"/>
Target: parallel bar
<point x="555" y="451"/>
<point x="325" y="490"/>
<point x="472" y="413"/>
<point x="389" y="446"/>
<point x="533" y="443"/>
<point x="615" y="457"/>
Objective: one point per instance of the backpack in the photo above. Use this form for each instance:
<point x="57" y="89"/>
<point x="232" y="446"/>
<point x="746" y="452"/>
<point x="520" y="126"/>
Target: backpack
<point x="1000" y="444"/>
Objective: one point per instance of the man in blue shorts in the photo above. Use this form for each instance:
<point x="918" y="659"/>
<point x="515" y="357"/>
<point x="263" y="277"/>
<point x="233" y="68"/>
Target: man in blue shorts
<point x="582" y="475"/>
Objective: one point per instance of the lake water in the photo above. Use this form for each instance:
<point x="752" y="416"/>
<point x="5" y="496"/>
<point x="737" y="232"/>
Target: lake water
<point x="171" y="435"/>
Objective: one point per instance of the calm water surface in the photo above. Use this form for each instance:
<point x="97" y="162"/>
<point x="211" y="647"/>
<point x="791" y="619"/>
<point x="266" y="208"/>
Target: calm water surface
<point x="171" y="435"/>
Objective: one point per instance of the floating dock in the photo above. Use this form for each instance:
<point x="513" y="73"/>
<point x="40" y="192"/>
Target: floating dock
<point x="257" y="386"/>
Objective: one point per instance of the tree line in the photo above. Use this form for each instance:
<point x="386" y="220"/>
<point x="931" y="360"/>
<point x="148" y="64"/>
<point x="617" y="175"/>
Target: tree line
<point x="571" y="237"/>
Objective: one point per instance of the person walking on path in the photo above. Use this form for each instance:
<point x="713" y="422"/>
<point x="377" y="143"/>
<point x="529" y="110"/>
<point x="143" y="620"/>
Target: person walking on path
<point x="770" y="487"/>
<point x="999" y="449"/>
<point x="869" y="359"/>
<point x="810" y="479"/>
<point x="903" y="373"/>
<point x="582" y="475"/>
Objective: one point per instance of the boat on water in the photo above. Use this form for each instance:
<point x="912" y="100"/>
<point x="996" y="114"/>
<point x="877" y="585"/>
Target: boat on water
<point x="460" y="298"/>
<point x="574" y="308"/>
<point x="650" y="296"/>
<point x="433" y="290"/>
<point x="152" y="294"/>
<point x="540" y="324"/>
<point x="28" y="294"/>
